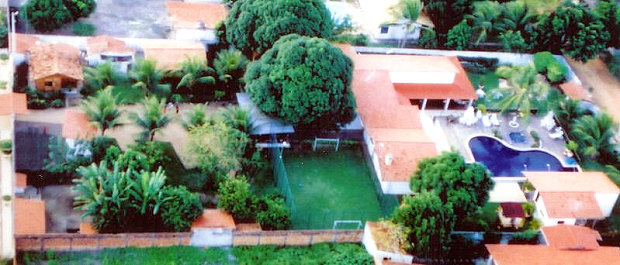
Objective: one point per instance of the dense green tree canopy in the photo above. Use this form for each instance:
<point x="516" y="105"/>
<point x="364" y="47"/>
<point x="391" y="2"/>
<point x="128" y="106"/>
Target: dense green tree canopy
<point x="574" y="30"/>
<point x="80" y="8"/>
<point x="445" y="14"/>
<point x="46" y="15"/>
<point x="303" y="81"/>
<point x="428" y="223"/>
<point x="609" y="13"/>
<point x="254" y="26"/>
<point x="465" y="186"/>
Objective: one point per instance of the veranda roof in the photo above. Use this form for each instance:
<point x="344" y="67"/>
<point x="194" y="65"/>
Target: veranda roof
<point x="261" y="123"/>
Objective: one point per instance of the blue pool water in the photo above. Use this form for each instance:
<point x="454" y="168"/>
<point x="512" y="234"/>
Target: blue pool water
<point x="504" y="161"/>
<point x="517" y="137"/>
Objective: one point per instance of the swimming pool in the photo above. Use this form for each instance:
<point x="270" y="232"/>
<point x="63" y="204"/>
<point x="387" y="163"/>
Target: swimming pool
<point x="504" y="161"/>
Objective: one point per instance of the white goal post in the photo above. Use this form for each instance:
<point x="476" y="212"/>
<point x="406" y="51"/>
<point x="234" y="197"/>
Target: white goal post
<point x="337" y="222"/>
<point x="325" y="141"/>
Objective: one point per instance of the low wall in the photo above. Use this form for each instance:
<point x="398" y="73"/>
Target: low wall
<point x="296" y="237"/>
<point x="77" y="242"/>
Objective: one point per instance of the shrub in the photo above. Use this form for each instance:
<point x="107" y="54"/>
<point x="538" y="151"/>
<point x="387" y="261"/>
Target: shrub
<point x="4" y="56"/>
<point x="428" y="38"/>
<point x="556" y="72"/>
<point x="154" y="152"/>
<point x="529" y="237"/>
<point x="6" y="146"/>
<point x="180" y="209"/>
<point x="273" y="214"/>
<point x="83" y="29"/>
<point x="45" y="15"/>
<point x="350" y="38"/>
<point x="459" y="37"/>
<point x="542" y="61"/>
<point x="57" y="103"/>
<point x="553" y="69"/>
<point x="235" y="197"/>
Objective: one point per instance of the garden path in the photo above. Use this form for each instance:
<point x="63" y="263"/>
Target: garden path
<point x="605" y="87"/>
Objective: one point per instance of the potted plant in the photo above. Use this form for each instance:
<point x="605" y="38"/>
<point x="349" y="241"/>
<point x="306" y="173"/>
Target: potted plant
<point x="6" y="146"/>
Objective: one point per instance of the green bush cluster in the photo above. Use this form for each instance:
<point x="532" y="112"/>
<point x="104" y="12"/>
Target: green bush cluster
<point x="83" y="29"/>
<point x="49" y="15"/>
<point x="6" y="146"/>
<point x="43" y="100"/>
<point x="551" y="67"/>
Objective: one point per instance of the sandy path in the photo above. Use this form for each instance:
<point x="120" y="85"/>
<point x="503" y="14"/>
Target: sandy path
<point x="606" y="88"/>
<point x="127" y="133"/>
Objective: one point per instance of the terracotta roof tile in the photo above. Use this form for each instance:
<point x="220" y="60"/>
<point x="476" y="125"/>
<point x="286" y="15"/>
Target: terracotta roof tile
<point x="51" y="59"/>
<point x="169" y="53"/>
<point x="544" y="255"/>
<point x="406" y="156"/>
<point x="21" y="180"/>
<point x="29" y="216"/>
<point x="580" y="205"/>
<point x="25" y="42"/>
<point x="593" y="181"/>
<point x="104" y="43"/>
<point x="575" y="91"/>
<point x="13" y="103"/>
<point x="191" y="15"/>
<point x="404" y="63"/>
<point x="214" y="218"/>
<point x="571" y="237"/>
<point x="77" y="126"/>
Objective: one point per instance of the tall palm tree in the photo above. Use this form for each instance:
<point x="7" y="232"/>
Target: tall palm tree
<point x="153" y="118"/>
<point x="516" y="17"/>
<point x="593" y="134"/>
<point x="102" y="110"/>
<point x="230" y="66"/>
<point x="485" y="19"/>
<point x="100" y="77"/>
<point x="148" y="77"/>
<point x="195" y="75"/>
<point x="407" y="11"/>
<point x="524" y="88"/>
<point x="567" y="110"/>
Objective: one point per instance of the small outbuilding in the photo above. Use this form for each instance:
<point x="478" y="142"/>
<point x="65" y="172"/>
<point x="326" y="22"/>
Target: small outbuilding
<point x="54" y="67"/>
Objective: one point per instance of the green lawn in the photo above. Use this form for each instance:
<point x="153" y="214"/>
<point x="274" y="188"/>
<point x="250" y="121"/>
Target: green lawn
<point x="256" y="255"/>
<point x="128" y="94"/>
<point x="328" y="186"/>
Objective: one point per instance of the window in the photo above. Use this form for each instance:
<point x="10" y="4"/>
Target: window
<point x="560" y="222"/>
<point x="384" y="29"/>
<point x="49" y="83"/>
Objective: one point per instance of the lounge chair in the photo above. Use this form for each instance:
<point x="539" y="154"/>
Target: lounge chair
<point x="556" y="135"/>
<point x="486" y="122"/>
<point x="494" y="120"/>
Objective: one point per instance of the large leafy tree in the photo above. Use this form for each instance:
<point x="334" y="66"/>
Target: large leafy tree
<point x="445" y="14"/>
<point x="609" y="13"/>
<point x="196" y="77"/>
<point x="102" y="110"/>
<point x="524" y="89"/>
<point x="217" y="149"/>
<point x="147" y="76"/>
<point x="428" y="223"/>
<point x="464" y="186"/>
<point x="407" y="11"/>
<point x="593" y="134"/>
<point x="80" y="8"/>
<point x="574" y="30"/>
<point x="46" y="15"/>
<point x="303" y="81"/>
<point x="152" y="118"/>
<point x="254" y="26"/>
<point x="459" y="37"/>
<point x="230" y="66"/>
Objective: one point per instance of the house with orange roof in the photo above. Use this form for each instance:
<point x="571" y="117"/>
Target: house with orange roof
<point x="169" y="53"/>
<point x="573" y="198"/>
<point x="391" y="91"/>
<point x="54" y="67"/>
<point x="194" y="21"/>
<point x="565" y="245"/>
<point x="104" y="48"/>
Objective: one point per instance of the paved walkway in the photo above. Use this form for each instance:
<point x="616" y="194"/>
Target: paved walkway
<point x="606" y="88"/>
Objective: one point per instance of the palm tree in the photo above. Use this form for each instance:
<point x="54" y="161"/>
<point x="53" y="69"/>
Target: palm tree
<point x="567" y="110"/>
<point x="484" y="19"/>
<point x="148" y="77"/>
<point x="407" y="11"/>
<point x="152" y="119"/>
<point x="593" y="134"/>
<point x="102" y="110"/>
<point x="524" y="88"/>
<point x="230" y="66"/>
<point x="196" y="116"/>
<point x="237" y="118"/>
<point x="100" y="77"/>
<point x="516" y="17"/>
<point x="195" y="75"/>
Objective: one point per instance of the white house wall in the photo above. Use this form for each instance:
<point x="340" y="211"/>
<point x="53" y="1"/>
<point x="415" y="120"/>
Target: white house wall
<point x="396" y="31"/>
<point x="606" y="201"/>
<point x="207" y="35"/>
<point x="422" y="77"/>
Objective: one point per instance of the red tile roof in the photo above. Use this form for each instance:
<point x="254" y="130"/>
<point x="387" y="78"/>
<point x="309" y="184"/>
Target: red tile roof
<point x="51" y="59"/>
<point x="580" y="205"/>
<point x="21" y="180"/>
<point x="77" y="126"/>
<point x="169" y="53"/>
<point x="13" y="103"/>
<point x="25" y="42"/>
<point x="214" y="218"/>
<point x="104" y="43"/>
<point x="575" y="91"/>
<point x="571" y="237"/>
<point x="545" y="255"/>
<point x="592" y="181"/>
<point x="191" y="15"/>
<point x="29" y="216"/>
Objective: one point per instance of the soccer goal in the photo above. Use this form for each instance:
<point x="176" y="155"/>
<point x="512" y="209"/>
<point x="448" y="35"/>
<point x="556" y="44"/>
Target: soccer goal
<point x="347" y="224"/>
<point x="326" y="141"/>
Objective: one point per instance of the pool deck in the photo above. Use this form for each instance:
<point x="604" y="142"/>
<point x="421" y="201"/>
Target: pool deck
<point x="458" y="135"/>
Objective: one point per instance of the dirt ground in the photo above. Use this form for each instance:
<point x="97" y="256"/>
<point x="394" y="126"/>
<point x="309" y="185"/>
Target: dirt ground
<point x="127" y="133"/>
<point x="606" y="88"/>
<point x="123" y="18"/>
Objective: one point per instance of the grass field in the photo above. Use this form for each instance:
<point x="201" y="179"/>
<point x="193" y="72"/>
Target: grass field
<point x="328" y="185"/>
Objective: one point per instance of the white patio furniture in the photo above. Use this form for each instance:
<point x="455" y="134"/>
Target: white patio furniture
<point x="493" y="119"/>
<point x="469" y="117"/>
<point x="548" y="122"/>
<point x="557" y="134"/>
<point x="486" y="121"/>
<point x="480" y="93"/>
